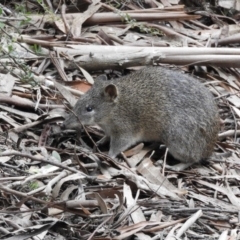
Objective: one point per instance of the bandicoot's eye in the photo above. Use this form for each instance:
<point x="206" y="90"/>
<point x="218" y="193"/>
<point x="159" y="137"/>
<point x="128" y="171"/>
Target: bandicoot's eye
<point x="89" y="108"/>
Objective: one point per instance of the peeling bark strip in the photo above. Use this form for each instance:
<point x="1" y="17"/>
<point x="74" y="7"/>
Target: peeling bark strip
<point x="99" y="18"/>
<point x="107" y="17"/>
<point x="93" y="57"/>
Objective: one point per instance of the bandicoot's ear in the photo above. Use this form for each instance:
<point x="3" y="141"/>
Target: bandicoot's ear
<point x="111" y="92"/>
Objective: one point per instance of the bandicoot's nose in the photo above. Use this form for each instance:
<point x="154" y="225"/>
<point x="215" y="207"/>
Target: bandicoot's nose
<point x="71" y="122"/>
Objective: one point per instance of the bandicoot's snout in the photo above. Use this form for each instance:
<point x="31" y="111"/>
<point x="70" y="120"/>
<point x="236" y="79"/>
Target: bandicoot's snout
<point x="71" y="122"/>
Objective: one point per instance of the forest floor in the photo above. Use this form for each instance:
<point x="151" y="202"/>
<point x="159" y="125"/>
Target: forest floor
<point x="55" y="183"/>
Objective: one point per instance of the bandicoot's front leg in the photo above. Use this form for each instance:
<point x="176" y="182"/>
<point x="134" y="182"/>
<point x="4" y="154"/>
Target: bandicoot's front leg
<point x="118" y="145"/>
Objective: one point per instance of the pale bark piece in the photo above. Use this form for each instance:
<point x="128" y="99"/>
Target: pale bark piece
<point x="134" y="209"/>
<point x="107" y="57"/>
<point x="29" y="115"/>
<point x="4" y="159"/>
<point x="105" y="17"/>
<point x="8" y="119"/>
<point x="152" y="174"/>
<point x="94" y="49"/>
<point x="237" y="111"/>
<point x="143" y="236"/>
<point x="7" y="82"/>
<point x="189" y="223"/>
<point x="229" y="4"/>
<point x="235" y="100"/>
<point x="25" y="103"/>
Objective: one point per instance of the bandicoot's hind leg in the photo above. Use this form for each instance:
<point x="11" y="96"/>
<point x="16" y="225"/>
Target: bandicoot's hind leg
<point x="186" y="151"/>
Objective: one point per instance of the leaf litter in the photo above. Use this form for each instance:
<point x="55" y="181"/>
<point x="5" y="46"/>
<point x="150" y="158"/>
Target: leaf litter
<point x="55" y="183"/>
